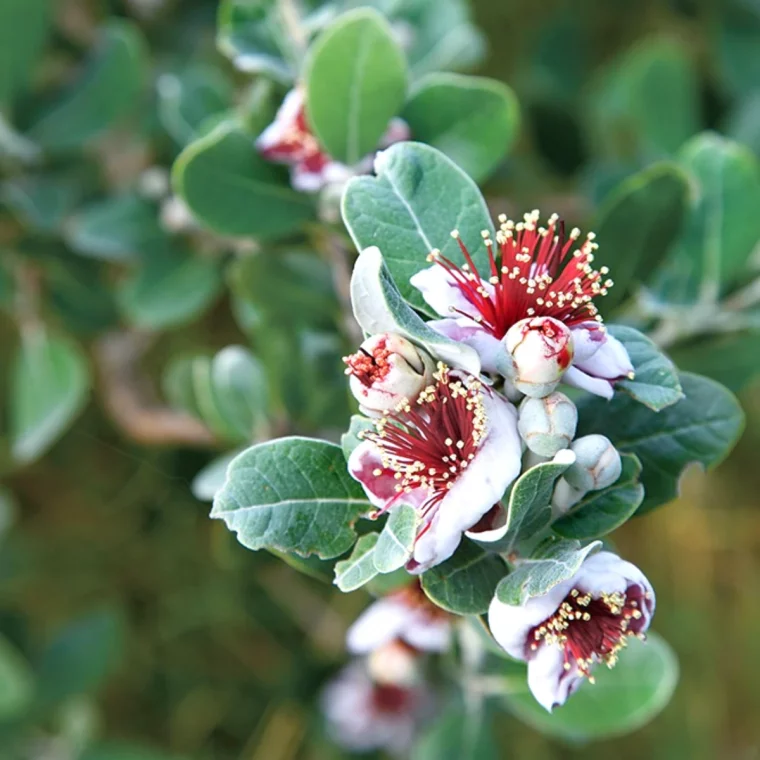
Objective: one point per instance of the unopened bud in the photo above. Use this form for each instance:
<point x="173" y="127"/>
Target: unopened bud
<point x="541" y="349"/>
<point x="386" y="370"/>
<point x="597" y="463"/>
<point x="547" y="425"/>
<point x="394" y="663"/>
<point x="565" y="497"/>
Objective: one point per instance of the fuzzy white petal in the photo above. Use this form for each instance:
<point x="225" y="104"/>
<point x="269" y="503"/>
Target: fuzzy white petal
<point x="379" y="624"/>
<point x="464" y="330"/>
<point x="575" y="378"/>
<point x="286" y="116"/>
<point x="428" y="635"/>
<point x="550" y="683"/>
<point x="610" y="361"/>
<point x="441" y="292"/>
<point x="588" y="337"/>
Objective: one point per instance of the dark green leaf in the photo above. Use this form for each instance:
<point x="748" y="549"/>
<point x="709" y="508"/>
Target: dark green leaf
<point x="24" y="26"/>
<point x="294" y="495"/>
<point x="465" y="583"/>
<point x="417" y="198"/>
<point x="16" y="681"/>
<point x="473" y="120"/>
<point x="458" y="734"/>
<point x="355" y="83"/>
<point x="359" y="568"/>
<point x="234" y="191"/>
<point x="396" y="542"/>
<point x="601" y="512"/>
<point x="350" y="439"/>
<point x="702" y="427"/>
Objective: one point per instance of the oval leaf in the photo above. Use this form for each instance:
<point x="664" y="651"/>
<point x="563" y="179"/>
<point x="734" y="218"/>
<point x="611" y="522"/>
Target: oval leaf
<point x="355" y="83"/>
<point x="293" y="495"/>
<point x="359" y="568"/>
<point x="394" y="547"/>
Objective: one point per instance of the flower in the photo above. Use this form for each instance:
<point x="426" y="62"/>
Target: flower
<point x="289" y="140"/>
<point x="580" y="621"/>
<point x="386" y="370"/>
<point x="364" y="715"/>
<point x="537" y="272"/>
<point x="406" y="614"/>
<point x="450" y="453"/>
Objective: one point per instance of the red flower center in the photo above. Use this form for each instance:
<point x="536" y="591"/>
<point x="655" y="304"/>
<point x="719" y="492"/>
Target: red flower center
<point x="298" y="145"/>
<point x="387" y="698"/>
<point x="368" y="367"/>
<point x="590" y="629"/>
<point x="430" y="444"/>
<point x="536" y="273"/>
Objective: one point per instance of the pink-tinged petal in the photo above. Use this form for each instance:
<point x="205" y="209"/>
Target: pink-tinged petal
<point x="587" y="339"/>
<point x="610" y="361"/>
<point x="398" y="131"/>
<point x="578" y="379"/>
<point x="491" y="527"/>
<point x="428" y="634"/>
<point x="548" y="680"/>
<point x="495" y="465"/>
<point x="269" y="141"/>
<point x="463" y="330"/>
<point x="441" y="293"/>
<point x="511" y="624"/>
<point x="382" y="622"/>
<point x="306" y="181"/>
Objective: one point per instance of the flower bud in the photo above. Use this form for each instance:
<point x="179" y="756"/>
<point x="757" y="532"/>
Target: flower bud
<point x="386" y="370"/>
<point x="597" y="464"/>
<point x="541" y="349"/>
<point x="547" y="425"/>
<point x="564" y="497"/>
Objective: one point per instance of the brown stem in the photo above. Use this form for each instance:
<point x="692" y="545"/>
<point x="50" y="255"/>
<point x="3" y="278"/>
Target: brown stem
<point x="130" y="401"/>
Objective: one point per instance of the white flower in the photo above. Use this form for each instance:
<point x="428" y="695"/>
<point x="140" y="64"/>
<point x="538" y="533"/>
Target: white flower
<point x="289" y="140"/>
<point x="536" y="272"/>
<point x="581" y="621"/>
<point x="451" y="453"/>
<point x="363" y="715"/>
<point x="407" y="615"/>
<point x="386" y="370"/>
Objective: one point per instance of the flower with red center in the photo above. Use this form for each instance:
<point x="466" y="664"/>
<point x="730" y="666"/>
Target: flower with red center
<point x="450" y="453"/>
<point x="386" y="370"/>
<point x="533" y="271"/>
<point x="407" y="615"/>
<point x="289" y="140"/>
<point x="582" y="621"/>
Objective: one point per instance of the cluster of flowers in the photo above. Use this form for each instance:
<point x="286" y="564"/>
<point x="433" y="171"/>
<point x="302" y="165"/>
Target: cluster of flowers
<point x="450" y="443"/>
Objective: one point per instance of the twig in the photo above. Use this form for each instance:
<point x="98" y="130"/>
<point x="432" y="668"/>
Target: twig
<point x="129" y="399"/>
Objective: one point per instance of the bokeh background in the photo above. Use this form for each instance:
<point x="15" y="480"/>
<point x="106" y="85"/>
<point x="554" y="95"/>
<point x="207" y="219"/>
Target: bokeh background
<point x="150" y="626"/>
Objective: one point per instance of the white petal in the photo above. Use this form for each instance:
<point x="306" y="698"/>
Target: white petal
<point x="495" y="528"/>
<point x="587" y="339"/>
<point x="464" y="330"/>
<point x="496" y="464"/>
<point x="379" y="624"/>
<point x="286" y="115"/>
<point x="578" y="379"/>
<point x="441" y="292"/>
<point x="398" y="131"/>
<point x="306" y="181"/>
<point x="610" y="361"/>
<point x="428" y="635"/>
<point x="363" y="463"/>
<point x="550" y="683"/>
<point x="510" y="625"/>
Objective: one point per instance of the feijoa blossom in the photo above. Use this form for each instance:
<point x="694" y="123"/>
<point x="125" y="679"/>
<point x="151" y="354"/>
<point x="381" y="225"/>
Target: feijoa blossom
<point x="580" y="622"/>
<point x="290" y="140"/>
<point x="386" y="370"/>
<point x="405" y="614"/>
<point x="533" y="272"/>
<point x="450" y="453"/>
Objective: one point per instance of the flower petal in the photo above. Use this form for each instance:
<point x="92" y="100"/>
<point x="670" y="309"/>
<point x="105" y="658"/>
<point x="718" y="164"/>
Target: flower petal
<point x="490" y="349"/>
<point x="610" y="361"/>
<point x="441" y="292"/>
<point x="587" y="339"/>
<point x="428" y="634"/>
<point x="550" y="683"/>
<point x="383" y="621"/>
<point x="269" y="141"/>
<point x="576" y="378"/>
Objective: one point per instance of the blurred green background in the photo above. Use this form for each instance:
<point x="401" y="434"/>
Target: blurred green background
<point x="147" y="624"/>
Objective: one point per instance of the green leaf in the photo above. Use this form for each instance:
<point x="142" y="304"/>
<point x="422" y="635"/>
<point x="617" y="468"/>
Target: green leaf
<point x="553" y="562"/>
<point x="656" y="383"/>
<point x="601" y="512"/>
<point x="16" y="682"/>
<point x="702" y="427"/>
<point x="355" y="84"/>
<point x="359" y="568"/>
<point x="49" y="384"/>
<point x="350" y="439"/>
<point x="458" y="734"/>
<point x="396" y="542"/>
<point x="637" y="224"/>
<point x="106" y="91"/>
<point x="234" y="191"/>
<point x="379" y="307"/>
<point x="647" y="102"/>
<point x="211" y="478"/>
<point x="622" y="700"/>
<point x="722" y="228"/>
<point x="119" y="750"/>
<point x="466" y="582"/>
<point x="173" y="287"/>
<point x="417" y="198"/>
<point x="294" y="495"/>
<point x="187" y="99"/>
<point x="24" y="27"/>
<point x="80" y="657"/>
<point x="252" y="34"/>
<point x="115" y="229"/>
<point x="529" y="509"/>
<point x="473" y="120"/>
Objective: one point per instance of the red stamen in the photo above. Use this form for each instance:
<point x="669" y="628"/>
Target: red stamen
<point x="369" y="368"/>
